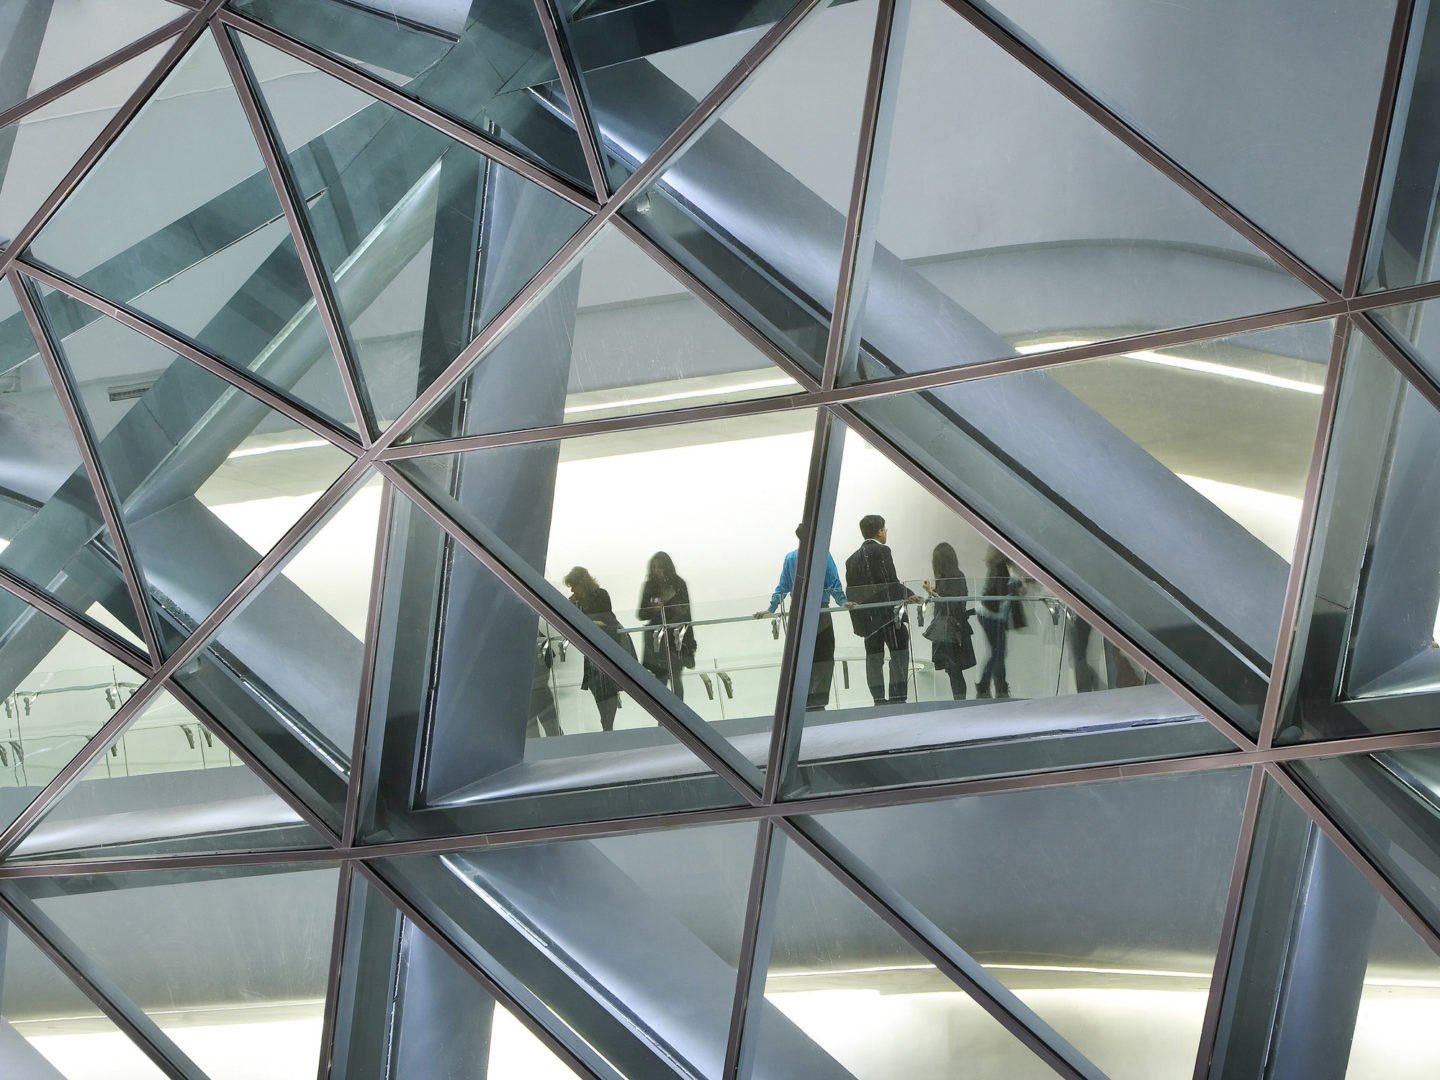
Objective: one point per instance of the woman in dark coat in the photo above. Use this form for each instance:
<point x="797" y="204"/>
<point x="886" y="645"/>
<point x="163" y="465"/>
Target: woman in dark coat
<point x="665" y="606"/>
<point x="950" y="632"/>
<point x="587" y="595"/>
<point x="995" y="620"/>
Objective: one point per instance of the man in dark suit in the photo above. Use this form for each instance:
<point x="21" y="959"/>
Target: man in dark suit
<point x="874" y="589"/>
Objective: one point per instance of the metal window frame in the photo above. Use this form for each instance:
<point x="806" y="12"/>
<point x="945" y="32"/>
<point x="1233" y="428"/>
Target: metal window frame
<point x="1352" y="311"/>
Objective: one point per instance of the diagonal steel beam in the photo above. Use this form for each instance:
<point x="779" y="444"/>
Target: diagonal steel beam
<point x="263" y="129"/>
<point x="168" y="1058"/>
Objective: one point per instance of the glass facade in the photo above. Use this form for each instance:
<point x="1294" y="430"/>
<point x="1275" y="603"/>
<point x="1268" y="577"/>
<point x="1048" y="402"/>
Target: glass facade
<point x="719" y="540"/>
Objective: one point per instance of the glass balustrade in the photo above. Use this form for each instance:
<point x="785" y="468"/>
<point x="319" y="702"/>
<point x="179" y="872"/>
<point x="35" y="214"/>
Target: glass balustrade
<point x="1050" y="651"/>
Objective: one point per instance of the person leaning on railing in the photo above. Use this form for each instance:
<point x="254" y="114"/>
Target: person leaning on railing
<point x="587" y="595"/>
<point x="822" y="668"/>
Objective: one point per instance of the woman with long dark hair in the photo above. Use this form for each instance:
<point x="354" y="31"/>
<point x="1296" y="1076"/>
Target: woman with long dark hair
<point x="587" y="595"/>
<point x="664" y="607"/>
<point x="995" y="619"/>
<point x="950" y="632"/>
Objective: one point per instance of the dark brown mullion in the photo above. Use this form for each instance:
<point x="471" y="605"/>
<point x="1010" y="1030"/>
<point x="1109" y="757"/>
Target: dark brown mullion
<point x="425" y="925"/>
<point x="168" y="1058"/>
<point x="1230" y="924"/>
<point x="105" y="496"/>
<point x="1304" y="537"/>
<point x="96" y="635"/>
<point x="1064" y="1059"/>
<point x="1078" y="96"/>
<point x="1379" y="144"/>
<point x="1357" y="856"/>
<point x="90" y="72"/>
<point x="570" y="80"/>
<point x="262" y="127"/>
<point x="193" y="28"/>
<point x="329" y="1023"/>
<point x="351" y="823"/>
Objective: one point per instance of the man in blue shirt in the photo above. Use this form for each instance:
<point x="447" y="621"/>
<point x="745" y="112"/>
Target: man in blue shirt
<point x="822" y="668"/>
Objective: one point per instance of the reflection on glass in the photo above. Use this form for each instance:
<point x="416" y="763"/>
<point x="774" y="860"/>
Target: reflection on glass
<point x="423" y="239"/>
<point x="198" y="521"/>
<point x="45" y="144"/>
<point x="647" y="925"/>
<point x="1164" y="487"/>
<point x="229" y="963"/>
<point x="485" y="64"/>
<point x="51" y="1021"/>
<point x="399" y="997"/>
<point x="1002" y="254"/>
<point x="1199" y="88"/>
<point x="57" y="690"/>
<point x="1415" y="326"/>
<point x="643" y="75"/>
<point x="207" y="253"/>
<point x="616" y="335"/>
<point x="935" y="657"/>
<point x="166" y="785"/>
<point x="1098" y="905"/>
<point x="46" y="43"/>
<point x="1364" y="660"/>
<point x="1402" y="239"/>
<point x="787" y="143"/>
<point x="1394" y="1036"/>
<point x="301" y="722"/>
<point x="507" y="721"/>
<point x="682" y="525"/>
<point x="845" y="995"/>
<point x="47" y="502"/>
<point x="1387" y="804"/>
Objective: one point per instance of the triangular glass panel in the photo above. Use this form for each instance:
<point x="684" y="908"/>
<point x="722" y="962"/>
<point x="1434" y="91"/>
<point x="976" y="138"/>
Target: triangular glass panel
<point x="617" y="335"/>
<point x="845" y="996"/>
<point x="1325" y="975"/>
<point x="786" y="143"/>
<point x="57" y="690"/>
<point x="207" y="477"/>
<point x="299" y="719"/>
<point x="643" y="76"/>
<point x="52" y="533"/>
<point x="229" y="963"/>
<point x="487" y="65"/>
<point x="1388" y="805"/>
<point x="1058" y="893"/>
<point x="45" y="43"/>
<point x="671" y="516"/>
<point x="647" y="926"/>
<point x="1401" y="249"/>
<point x="37" y="150"/>
<point x="507" y="723"/>
<point x="423" y="239"/>
<point x="1163" y="486"/>
<point x="206" y="254"/>
<point x="1085" y="242"/>
<point x="923" y="637"/>
<point x="165" y="786"/>
<point x="397" y="988"/>
<point x="1207" y="91"/>
<point x="49" y="1030"/>
<point x="1363" y="660"/>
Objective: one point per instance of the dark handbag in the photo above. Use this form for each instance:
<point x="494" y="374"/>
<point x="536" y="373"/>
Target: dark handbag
<point x="940" y="628"/>
<point x="1018" y="620"/>
<point x="653" y="655"/>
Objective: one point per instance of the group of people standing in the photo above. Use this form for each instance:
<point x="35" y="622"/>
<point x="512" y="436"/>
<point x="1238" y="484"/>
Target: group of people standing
<point x="874" y="596"/>
<point x="877" y="601"/>
<point x="668" y="644"/>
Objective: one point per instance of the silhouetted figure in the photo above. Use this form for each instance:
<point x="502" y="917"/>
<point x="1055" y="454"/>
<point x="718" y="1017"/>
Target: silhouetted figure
<point x="877" y="593"/>
<point x="952" y="648"/>
<point x="587" y="595"/>
<point x="665" y="606"/>
<point x="1079" y="632"/>
<point x="995" y="619"/>
<point x="542" y="700"/>
<point x="822" y="668"/>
